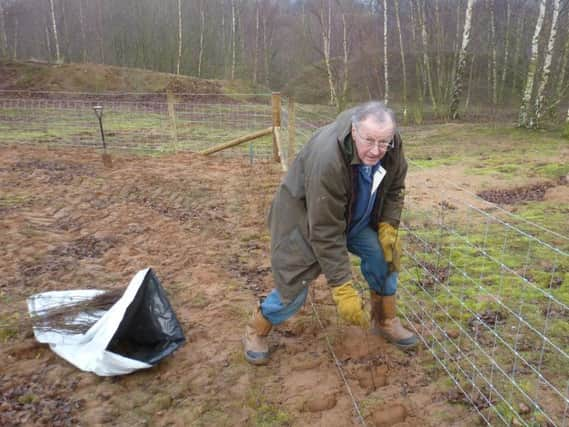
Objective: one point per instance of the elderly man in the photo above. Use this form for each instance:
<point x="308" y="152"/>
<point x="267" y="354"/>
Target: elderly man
<point x="343" y="193"/>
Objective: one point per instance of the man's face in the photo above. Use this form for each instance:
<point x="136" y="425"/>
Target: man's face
<point x="372" y="140"/>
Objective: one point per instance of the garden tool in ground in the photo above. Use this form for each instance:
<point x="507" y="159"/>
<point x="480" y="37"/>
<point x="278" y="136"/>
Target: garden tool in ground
<point x="255" y="344"/>
<point x="384" y="322"/>
<point x="107" y="160"/>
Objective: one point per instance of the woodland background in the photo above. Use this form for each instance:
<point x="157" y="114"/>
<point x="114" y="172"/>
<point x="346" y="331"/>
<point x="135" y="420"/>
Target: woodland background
<point x="436" y="55"/>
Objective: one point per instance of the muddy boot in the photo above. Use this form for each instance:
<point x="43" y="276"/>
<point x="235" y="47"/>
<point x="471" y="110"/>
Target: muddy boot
<point x="255" y="343"/>
<point x="384" y="322"/>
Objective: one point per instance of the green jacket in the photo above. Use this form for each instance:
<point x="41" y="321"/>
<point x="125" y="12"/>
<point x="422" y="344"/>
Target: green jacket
<point x="310" y="213"/>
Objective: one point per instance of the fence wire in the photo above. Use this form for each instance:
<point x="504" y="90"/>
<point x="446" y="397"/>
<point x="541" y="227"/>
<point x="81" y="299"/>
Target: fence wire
<point x="487" y="291"/>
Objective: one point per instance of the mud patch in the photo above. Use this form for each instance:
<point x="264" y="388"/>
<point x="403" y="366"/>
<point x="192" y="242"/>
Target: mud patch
<point x="34" y="402"/>
<point x="85" y="247"/>
<point x="57" y="172"/>
<point x="517" y="195"/>
<point x="389" y="415"/>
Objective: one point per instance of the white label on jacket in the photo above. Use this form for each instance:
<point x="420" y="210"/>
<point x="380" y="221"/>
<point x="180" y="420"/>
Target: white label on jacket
<point x="377" y="178"/>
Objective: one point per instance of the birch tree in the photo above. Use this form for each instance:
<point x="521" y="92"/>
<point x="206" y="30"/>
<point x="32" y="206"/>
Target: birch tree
<point x="82" y="29"/>
<point x="403" y="66"/>
<point x="54" y="29"/>
<point x="457" y="87"/>
<point x="202" y="37"/>
<point x="179" y="61"/>
<point x="3" y="36"/>
<point x="524" y="120"/>
<point x="539" y="99"/>
<point x="256" y="51"/>
<point x="506" y="50"/>
<point x="325" y="20"/>
<point x="493" y="68"/>
<point x="233" y="38"/>
<point x="385" y="57"/>
<point x="426" y="61"/>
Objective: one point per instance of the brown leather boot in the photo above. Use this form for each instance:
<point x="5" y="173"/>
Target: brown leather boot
<point x="255" y="343"/>
<point x="384" y="322"/>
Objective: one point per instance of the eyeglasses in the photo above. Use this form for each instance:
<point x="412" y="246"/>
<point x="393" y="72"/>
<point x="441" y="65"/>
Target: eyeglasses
<point x="371" y="143"/>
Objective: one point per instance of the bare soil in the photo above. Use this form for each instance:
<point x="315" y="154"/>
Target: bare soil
<point x="69" y="223"/>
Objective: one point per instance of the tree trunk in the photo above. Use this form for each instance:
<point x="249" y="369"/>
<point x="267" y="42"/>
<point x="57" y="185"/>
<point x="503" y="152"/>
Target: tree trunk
<point x="470" y="76"/>
<point x="100" y="31"/>
<point x="494" y="68"/>
<point x="326" y="31"/>
<point x="3" y="36"/>
<point x="519" y="39"/>
<point x="256" y="52"/>
<point x="539" y="107"/>
<point x="385" y="57"/>
<point x="202" y="34"/>
<point x="83" y="37"/>
<point x="179" y="61"/>
<point x="342" y="98"/>
<point x="524" y="120"/>
<point x="54" y="27"/>
<point x="506" y="51"/>
<point x="403" y="66"/>
<point x="16" y="31"/>
<point x="426" y="61"/>
<point x="457" y="87"/>
<point x="563" y="65"/>
<point x="233" y="41"/>
<point x="48" y="41"/>
<point x="223" y="40"/>
<point x="265" y="52"/>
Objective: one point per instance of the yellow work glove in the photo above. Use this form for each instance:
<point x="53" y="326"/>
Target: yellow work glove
<point x="391" y="245"/>
<point x="350" y="305"/>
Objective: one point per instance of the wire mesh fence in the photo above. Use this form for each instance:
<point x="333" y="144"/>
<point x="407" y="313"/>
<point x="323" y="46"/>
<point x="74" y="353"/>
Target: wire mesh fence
<point x="487" y="292"/>
<point x="182" y="122"/>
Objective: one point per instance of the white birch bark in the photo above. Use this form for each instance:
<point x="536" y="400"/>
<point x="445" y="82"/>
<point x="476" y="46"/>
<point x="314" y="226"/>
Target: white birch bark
<point x="403" y="65"/>
<point x="506" y="49"/>
<point x="540" y="97"/>
<point x="179" y="61"/>
<point x="233" y="41"/>
<point x="54" y="29"/>
<point x="524" y="119"/>
<point x="82" y="28"/>
<point x="202" y="34"/>
<point x="325" y="19"/>
<point x="457" y="89"/>
<point x="385" y="57"/>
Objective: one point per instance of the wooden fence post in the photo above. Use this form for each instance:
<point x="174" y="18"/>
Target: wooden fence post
<point x="276" y="104"/>
<point x="172" y="113"/>
<point x="291" y="131"/>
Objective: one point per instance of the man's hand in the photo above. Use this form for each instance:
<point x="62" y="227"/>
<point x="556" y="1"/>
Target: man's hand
<point x="350" y="305"/>
<point x="391" y="245"/>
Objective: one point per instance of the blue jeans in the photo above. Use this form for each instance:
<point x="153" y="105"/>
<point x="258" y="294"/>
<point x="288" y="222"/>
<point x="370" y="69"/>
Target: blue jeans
<point x="375" y="270"/>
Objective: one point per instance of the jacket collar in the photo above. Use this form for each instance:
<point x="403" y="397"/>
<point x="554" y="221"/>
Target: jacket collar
<point x="345" y="140"/>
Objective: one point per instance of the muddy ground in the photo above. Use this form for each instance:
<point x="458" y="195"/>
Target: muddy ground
<point x="66" y="222"/>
